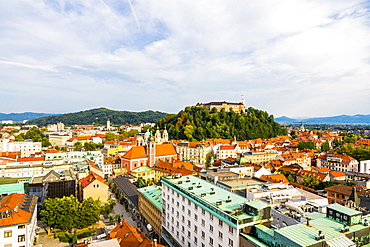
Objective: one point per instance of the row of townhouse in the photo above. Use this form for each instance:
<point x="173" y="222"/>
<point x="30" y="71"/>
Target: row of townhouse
<point x="40" y="166"/>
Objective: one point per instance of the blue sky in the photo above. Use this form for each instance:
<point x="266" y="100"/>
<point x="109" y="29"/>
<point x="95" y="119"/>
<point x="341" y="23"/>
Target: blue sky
<point x="292" y="57"/>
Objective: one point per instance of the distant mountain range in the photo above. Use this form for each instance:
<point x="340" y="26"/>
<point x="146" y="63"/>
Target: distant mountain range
<point x="19" y="117"/>
<point x="150" y="116"/>
<point x="341" y="119"/>
<point x="100" y="116"/>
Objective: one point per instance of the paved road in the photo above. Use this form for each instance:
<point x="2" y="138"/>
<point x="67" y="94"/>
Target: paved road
<point x="127" y="216"/>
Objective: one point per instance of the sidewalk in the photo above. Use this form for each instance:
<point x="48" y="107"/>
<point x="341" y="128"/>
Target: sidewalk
<point x="45" y="241"/>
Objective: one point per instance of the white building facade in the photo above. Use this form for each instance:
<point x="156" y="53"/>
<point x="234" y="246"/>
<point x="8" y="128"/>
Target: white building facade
<point x="198" y="213"/>
<point x="18" y="224"/>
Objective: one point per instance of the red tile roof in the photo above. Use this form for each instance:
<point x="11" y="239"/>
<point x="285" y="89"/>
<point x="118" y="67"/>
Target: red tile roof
<point x="136" y="152"/>
<point x="321" y="169"/>
<point x="90" y="178"/>
<point x="275" y="178"/>
<point x="15" y="204"/>
<point x="128" y="236"/>
<point x="337" y="174"/>
<point x="165" y="149"/>
<point x="227" y="147"/>
<point x="320" y="176"/>
<point x="31" y="159"/>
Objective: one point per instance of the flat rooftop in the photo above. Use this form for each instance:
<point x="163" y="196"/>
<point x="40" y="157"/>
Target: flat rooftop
<point x="220" y="202"/>
<point x="240" y="183"/>
<point x="154" y="194"/>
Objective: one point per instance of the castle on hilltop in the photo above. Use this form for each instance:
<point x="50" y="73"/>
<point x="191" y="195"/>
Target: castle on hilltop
<point x="237" y="107"/>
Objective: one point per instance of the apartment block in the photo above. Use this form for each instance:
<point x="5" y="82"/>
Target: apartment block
<point x="198" y="213"/>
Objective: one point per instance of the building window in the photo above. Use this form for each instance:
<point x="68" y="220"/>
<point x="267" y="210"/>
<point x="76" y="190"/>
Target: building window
<point x="211" y="228"/>
<point x="7" y="234"/>
<point x="189" y="212"/>
<point x="183" y="239"/>
<point x="231" y="242"/>
<point x="195" y="240"/>
<point x="231" y="229"/>
<point x="203" y="222"/>
<point x="195" y="228"/>
<point x="196" y="217"/>
<point x="189" y="234"/>
<point x="203" y="211"/>
<point x="211" y="241"/>
<point x="189" y="225"/>
<point x="220" y="234"/>
<point x="203" y="235"/>
<point x="211" y="216"/>
<point x="21" y="226"/>
<point x="220" y="222"/>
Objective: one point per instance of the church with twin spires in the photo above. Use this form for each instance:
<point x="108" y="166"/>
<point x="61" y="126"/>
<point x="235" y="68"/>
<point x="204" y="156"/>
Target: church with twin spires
<point x="149" y="150"/>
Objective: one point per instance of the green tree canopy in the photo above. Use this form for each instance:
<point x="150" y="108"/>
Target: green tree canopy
<point x="197" y="123"/>
<point x="306" y="145"/>
<point x="35" y="135"/>
<point x="67" y="212"/>
<point x="325" y="147"/>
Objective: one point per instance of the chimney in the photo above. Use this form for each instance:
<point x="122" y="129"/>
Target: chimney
<point x="155" y="242"/>
<point x="308" y="221"/>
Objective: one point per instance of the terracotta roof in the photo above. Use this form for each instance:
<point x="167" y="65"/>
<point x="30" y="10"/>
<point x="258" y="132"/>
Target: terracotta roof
<point x="136" y="152"/>
<point x="345" y="158"/>
<point x="320" y="176"/>
<point x="344" y="189"/>
<point x="90" y="178"/>
<point x="183" y="164"/>
<point x="337" y="174"/>
<point x="12" y="155"/>
<point x="275" y="178"/>
<point x="31" y="159"/>
<point x="167" y="167"/>
<point x="165" y="149"/>
<point x="227" y="147"/>
<point x="20" y="207"/>
<point x="321" y="169"/>
<point x="128" y="236"/>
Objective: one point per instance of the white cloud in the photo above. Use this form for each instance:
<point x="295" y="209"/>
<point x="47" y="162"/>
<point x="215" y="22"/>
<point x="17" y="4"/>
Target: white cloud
<point x="288" y="57"/>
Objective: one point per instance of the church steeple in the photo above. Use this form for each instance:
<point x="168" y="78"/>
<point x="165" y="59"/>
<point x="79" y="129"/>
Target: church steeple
<point x="165" y="135"/>
<point x="158" y="136"/>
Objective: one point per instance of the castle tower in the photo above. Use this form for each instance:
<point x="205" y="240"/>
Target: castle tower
<point x="243" y="100"/>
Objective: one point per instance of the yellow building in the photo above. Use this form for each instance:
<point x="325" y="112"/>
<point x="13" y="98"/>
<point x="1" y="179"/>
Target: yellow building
<point x="195" y="152"/>
<point x="150" y="207"/>
<point x="237" y="107"/>
<point x="145" y="172"/>
<point x="93" y="186"/>
<point x="258" y="157"/>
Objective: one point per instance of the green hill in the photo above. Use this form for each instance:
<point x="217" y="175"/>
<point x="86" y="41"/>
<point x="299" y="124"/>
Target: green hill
<point x="100" y="116"/>
<point x="197" y="123"/>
